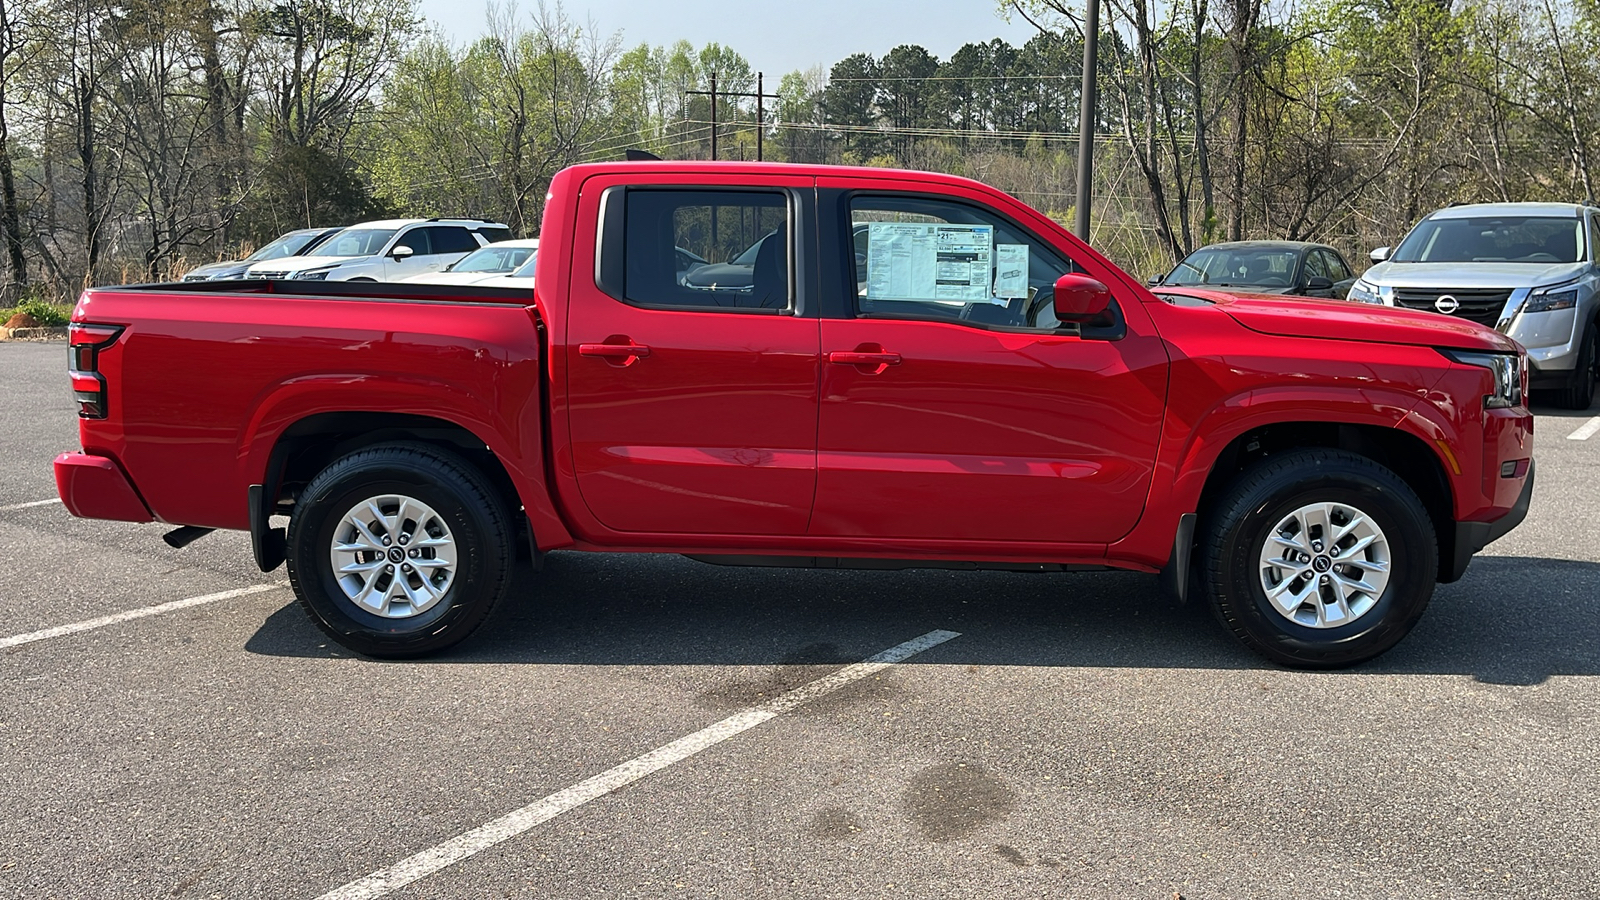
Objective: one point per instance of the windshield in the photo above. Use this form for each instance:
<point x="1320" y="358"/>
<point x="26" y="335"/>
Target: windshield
<point x="748" y="257"/>
<point x="493" y="259"/>
<point x="1237" y="265"/>
<point x="1530" y="239"/>
<point x="288" y="245"/>
<point x="357" y="242"/>
<point x="526" y="269"/>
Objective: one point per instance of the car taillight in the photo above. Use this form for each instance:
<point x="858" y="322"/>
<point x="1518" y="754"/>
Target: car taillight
<point x="85" y="342"/>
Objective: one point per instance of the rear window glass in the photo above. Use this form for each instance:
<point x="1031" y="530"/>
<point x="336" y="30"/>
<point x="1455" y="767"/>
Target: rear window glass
<point x="707" y="249"/>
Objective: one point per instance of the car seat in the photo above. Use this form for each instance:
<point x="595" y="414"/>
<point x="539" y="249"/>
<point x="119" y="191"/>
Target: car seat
<point x="769" y="282"/>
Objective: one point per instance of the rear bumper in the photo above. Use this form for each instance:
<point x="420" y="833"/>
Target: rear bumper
<point x="94" y="487"/>
<point x="1474" y="536"/>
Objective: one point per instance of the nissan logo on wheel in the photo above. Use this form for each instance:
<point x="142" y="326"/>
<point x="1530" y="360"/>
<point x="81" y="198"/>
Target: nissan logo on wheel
<point x="1447" y="304"/>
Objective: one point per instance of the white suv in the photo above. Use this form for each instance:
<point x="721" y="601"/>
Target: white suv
<point x="387" y="250"/>
<point x="1528" y="270"/>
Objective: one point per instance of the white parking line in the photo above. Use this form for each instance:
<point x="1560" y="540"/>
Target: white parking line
<point x="512" y="824"/>
<point x="1586" y="431"/>
<point x="33" y="503"/>
<point x="129" y="615"/>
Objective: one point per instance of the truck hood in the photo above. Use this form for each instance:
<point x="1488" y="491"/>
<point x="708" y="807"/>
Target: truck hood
<point x="1341" y="320"/>
<point x="1472" y="275"/>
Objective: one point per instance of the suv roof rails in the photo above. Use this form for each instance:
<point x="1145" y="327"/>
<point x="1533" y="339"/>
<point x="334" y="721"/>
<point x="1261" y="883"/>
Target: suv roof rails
<point x="455" y="219"/>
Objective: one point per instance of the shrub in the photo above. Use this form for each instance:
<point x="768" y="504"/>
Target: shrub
<point x="43" y="312"/>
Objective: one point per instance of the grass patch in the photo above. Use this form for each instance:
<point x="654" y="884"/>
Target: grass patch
<point x="45" y="313"/>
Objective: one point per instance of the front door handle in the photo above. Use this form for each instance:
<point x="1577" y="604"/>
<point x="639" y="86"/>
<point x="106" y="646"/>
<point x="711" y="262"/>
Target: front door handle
<point x="870" y="359"/>
<point x="618" y="350"/>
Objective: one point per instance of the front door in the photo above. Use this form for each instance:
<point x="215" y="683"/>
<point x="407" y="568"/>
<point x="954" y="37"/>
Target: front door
<point x="693" y="404"/>
<point x="954" y="405"/>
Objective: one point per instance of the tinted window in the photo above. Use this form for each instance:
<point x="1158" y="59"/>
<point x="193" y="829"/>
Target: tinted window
<point x="1337" y="270"/>
<point x="1315" y="267"/>
<point x="416" y="239"/>
<point x="742" y="236"/>
<point x="925" y="258"/>
<point x="450" y="239"/>
<point x="495" y="234"/>
<point x="1533" y="239"/>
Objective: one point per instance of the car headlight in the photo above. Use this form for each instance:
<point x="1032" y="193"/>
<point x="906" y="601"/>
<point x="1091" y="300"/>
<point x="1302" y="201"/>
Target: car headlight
<point x="1551" y="299"/>
<point x="314" y="275"/>
<point x="1363" y="291"/>
<point x="1507" y="371"/>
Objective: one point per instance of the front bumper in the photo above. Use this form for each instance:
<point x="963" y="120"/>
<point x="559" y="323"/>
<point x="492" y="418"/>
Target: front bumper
<point x="94" y="487"/>
<point x="1474" y="536"/>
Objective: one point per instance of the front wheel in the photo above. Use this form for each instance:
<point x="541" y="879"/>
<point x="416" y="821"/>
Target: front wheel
<point x="1319" y="559"/>
<point x="1579" y="392"/>
<point x="399" y="550"/>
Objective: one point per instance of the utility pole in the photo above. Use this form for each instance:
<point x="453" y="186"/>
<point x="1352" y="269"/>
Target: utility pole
<point x="761" y="113"/>
<point x="1086" y="119"/>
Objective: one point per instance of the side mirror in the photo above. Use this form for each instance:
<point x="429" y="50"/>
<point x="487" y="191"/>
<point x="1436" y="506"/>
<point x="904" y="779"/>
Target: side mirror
<point x="1154" y="280"/>
<point x="1079" y="298"/>
<point x="1379" y="255"/>
<point x="401" y="253"/>
<point x="1319" y="283"/>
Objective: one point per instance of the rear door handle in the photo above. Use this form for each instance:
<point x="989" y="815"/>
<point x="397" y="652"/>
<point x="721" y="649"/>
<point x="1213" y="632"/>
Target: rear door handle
<point x="615" y="351"/>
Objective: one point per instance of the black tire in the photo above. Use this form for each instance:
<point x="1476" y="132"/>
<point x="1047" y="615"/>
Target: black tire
<point x="478" y="523"/>
<point x="1237" y="529"/>
<point x="1579" y="392"/>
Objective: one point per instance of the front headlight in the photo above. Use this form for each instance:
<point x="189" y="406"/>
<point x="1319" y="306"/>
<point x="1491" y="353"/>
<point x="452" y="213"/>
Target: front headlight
<point x="1551" y="299"/>
<point x="313" y="275"/>
<point x="1363" y="291"/>
<point x="1507" y="371"/>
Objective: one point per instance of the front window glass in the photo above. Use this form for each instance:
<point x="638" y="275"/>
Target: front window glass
<point x="357" y="242"/>
<point x="1530" y="239"/>
<point x="494" y="259"/>
<point x="286" y="246"/>
<point x="1236" y="266"/>
<point x="919" y="257"/>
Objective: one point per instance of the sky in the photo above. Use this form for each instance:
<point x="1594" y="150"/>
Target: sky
<point x="776" y="36"/>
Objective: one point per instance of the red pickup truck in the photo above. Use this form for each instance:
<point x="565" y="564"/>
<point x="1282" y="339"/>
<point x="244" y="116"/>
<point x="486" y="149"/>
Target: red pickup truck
<point x="882" y="369"/>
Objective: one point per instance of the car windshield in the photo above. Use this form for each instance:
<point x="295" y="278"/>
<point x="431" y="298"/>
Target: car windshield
<point x="748" y="257"/>
<point x="288" y="245"/>
<point x="493" y="259"/>
<point x="1261" y="267"/>
<point x="357" y="242"/>
<point x="1529" y="239"/>
<point x="526" y="269"/>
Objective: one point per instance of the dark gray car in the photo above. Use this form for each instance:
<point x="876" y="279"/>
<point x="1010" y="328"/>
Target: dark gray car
<point x="1265" y="267"/>
<point x="296" y="243"/>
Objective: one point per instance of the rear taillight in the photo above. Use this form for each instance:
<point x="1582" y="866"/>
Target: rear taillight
<point x="85" y="342"/>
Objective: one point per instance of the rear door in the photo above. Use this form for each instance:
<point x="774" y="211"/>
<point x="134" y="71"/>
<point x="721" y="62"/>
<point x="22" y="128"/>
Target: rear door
<point x="954" y="405"/>
<point x="692" y="410"/>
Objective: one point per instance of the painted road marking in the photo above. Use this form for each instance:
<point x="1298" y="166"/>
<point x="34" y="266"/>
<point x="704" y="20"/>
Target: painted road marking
<point x="26" y="505"/>
<point x="512" y="824"/>
<point x="1586" y="431"/>
<point x="103" y="621"/>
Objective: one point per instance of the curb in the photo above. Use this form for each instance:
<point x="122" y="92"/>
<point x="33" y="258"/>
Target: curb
<point x="33" y="334"/>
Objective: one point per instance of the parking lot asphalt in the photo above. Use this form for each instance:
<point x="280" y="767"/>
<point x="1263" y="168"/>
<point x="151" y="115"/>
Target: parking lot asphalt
<point x="1080" y="737"/>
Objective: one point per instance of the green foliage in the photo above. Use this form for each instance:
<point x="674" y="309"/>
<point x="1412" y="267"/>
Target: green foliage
<point x="47" y="314"/>
<point x="304" y="187"/>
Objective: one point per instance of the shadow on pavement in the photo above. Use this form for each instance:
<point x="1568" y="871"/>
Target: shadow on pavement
<point x="1511" y="620"/>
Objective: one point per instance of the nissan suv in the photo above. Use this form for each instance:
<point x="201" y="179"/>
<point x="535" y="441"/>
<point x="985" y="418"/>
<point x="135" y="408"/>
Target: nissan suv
<point x="387" y="250"/>
<point x="1528" y="270"/>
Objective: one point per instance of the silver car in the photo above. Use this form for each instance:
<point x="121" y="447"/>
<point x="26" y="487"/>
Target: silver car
<point x="1529" y="270"/>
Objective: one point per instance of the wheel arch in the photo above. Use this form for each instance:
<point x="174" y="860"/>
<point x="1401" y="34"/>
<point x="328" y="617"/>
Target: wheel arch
<point x="1400" y="451"/>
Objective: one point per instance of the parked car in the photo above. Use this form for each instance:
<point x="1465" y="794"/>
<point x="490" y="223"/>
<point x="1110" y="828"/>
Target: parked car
<point x="387" y="250"/>
<point x="687" y="261"/>
<point x="300" y="242"/>
<point x="736" y="274"/>
<point x="497" y="259"/>
<point x="996" y="395"/>
<point x="1264" y="267"/>
<point x="1528" y="270"/>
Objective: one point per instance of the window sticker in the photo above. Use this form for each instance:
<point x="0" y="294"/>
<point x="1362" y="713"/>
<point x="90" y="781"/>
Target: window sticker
<point x="937" y="262"/>
<point x="1010" y="271"/>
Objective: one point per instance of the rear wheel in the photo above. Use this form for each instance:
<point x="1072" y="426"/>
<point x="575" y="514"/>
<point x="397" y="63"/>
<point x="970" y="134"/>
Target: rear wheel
<point x="1319" y="559"/>
<point x="1579" y="392"/>
<point x="399" y="550"/>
